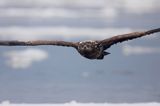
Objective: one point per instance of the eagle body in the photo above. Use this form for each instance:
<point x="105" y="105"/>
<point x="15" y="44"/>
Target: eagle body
<point x="91" y="49"/>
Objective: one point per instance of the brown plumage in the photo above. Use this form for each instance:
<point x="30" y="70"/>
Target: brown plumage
<point x="90" y="49"/>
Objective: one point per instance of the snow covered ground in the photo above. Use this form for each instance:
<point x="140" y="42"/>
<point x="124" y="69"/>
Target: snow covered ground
<point x="73" y="103"/>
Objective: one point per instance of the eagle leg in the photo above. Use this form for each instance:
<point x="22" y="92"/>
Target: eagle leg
<point x="103" y="54"/>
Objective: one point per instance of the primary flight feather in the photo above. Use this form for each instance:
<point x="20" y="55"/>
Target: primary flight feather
<point x="91" y="49"/>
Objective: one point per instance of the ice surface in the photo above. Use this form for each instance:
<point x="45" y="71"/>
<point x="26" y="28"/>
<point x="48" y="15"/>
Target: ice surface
<point x="74" y="103"/>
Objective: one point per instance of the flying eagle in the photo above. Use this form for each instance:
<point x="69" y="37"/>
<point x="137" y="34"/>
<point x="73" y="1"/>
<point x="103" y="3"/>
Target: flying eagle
<point x="91" y="49"/>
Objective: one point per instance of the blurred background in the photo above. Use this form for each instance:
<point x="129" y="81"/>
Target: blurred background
<point x="50" y="74"/>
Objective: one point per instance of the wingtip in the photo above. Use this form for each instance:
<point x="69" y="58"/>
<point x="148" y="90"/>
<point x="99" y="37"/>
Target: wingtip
<point x="153" y="31"/>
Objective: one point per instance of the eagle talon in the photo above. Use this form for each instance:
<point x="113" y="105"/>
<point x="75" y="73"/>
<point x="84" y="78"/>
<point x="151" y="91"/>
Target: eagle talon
<point x="106" y="53"/>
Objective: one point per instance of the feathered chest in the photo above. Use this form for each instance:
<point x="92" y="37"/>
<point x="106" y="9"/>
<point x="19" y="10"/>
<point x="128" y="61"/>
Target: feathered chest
<point x="89" y="49"/>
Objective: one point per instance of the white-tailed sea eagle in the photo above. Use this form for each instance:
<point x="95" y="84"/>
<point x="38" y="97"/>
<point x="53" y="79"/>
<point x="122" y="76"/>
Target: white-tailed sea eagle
<point x="91" y="49"/>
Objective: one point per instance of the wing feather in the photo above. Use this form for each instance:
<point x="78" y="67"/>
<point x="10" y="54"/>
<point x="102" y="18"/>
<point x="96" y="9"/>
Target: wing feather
<point x="38" y="42"/>
<point x="106" y="43"/>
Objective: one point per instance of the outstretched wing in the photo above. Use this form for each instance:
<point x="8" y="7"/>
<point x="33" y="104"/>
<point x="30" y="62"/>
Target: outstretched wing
<point x="38" y="42"/>
<point x="106" y="43"/>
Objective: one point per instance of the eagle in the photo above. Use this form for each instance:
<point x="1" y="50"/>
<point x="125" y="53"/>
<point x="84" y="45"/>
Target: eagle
<point x="91" y="49"/>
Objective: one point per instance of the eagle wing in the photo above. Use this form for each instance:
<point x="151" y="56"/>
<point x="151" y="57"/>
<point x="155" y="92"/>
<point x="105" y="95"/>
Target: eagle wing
<point x="107" y="43"/>
<point x="38" y="42"/>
